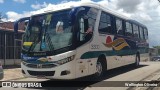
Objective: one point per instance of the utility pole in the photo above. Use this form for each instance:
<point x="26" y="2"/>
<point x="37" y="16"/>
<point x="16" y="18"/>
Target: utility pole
<point x="5" y="48"/>
<point x="1" y="17"/>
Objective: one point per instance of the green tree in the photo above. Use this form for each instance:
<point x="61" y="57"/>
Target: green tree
<point x="158" y="47"/>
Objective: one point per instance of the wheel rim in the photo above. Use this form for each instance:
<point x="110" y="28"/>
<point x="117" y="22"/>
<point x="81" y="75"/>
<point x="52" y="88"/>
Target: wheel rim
<point x="99" y="68"/>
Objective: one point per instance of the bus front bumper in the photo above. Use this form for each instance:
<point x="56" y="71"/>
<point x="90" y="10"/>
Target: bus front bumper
<point x="65" y="71"/>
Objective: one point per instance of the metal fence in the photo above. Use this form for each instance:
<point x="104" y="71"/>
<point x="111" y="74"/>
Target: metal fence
<point x="10" y="48"/>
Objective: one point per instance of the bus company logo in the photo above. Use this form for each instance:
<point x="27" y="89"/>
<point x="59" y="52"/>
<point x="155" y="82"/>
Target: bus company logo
<point x="39" y="65"/>
<point x="117" y="44"/>
<point x="6" y="84"/>
<point x="39" y="54"/>
<point x="43" y="59"/>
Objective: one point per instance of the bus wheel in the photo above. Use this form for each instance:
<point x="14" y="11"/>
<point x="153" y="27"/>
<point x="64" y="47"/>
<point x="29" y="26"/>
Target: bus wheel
<point x="99" y="69"/>
<point x="137" y="61"/>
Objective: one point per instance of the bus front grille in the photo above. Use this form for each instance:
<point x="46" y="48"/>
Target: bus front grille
<point x="40" y="65"/>
<point x="41" y="73"/>
<point x="48" y="65"/>
<point x="32" y="65"/>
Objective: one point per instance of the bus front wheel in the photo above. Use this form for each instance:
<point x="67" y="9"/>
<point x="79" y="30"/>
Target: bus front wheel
<point x="100" y="68"/>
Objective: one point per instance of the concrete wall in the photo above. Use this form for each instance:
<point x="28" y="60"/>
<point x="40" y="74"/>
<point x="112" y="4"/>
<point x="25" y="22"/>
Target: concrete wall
<point x="11" y="61"/>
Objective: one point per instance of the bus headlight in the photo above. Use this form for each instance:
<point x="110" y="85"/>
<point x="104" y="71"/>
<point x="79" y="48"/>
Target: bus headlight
<point x="24" y="63"/>
<point x="65" y="60"/>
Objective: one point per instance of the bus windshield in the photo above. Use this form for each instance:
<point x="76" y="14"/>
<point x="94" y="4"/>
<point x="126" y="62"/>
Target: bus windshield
<point x="48" y="32"/>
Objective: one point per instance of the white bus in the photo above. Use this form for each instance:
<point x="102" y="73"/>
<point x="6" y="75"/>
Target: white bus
<point x="80" y="41"/>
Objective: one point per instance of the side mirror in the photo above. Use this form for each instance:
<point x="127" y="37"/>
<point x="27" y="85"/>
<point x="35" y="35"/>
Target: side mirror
<point x="16" y="25"/>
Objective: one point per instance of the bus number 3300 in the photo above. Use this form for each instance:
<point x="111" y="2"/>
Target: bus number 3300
<point x="93" y="46"/>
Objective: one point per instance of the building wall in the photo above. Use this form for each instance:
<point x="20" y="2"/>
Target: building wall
<point x="10" y="26"/>
<point x="10" y="49"/>
<point x="2" y="42"/>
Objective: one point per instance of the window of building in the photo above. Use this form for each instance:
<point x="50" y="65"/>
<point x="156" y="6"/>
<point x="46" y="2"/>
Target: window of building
<point x="128" y="29"/>
<point x="105" y="23"/>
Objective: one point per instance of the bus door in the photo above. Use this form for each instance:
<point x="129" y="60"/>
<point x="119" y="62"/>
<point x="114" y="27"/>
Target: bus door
<point x="82" y="48"/>
<point x="85" y="22"/>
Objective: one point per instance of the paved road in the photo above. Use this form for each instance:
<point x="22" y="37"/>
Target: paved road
<point x="146" y="72"/>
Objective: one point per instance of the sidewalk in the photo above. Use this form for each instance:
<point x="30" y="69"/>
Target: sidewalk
<point x="12" y="73"/>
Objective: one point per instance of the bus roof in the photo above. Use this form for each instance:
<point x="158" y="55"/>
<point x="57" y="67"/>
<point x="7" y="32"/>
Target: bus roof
<point x="104" y="9"/>
<point x="112" y="12"/>
<point x="91" y="4"/>
<point x="138" y="23"/>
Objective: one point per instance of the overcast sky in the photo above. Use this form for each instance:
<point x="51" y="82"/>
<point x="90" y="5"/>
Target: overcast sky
<point x="144" y="11"/>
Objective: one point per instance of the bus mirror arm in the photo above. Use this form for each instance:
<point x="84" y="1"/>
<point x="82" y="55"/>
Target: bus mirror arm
<point x="16" y="25"/>
<point x="85" y="33"/>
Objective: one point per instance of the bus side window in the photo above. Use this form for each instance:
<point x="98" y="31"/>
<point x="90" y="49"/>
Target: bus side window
<point x="119" y="26"/>
<point x="135" y="31"/>
<point x="146" y="34"/>
<point x="105" y="23"/>
<point x="85" y="30"/>
<point x="128" y="31"/>
<point x="141" y="33"/>
<point x="81" y="27"/>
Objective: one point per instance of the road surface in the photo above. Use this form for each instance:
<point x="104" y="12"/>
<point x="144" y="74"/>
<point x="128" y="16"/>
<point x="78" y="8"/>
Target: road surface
<point x="147" y="71"/>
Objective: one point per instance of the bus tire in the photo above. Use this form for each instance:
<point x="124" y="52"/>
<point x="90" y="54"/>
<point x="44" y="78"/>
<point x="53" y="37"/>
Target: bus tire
<point x="137" y="60"/>
<point x="100" y="68"/>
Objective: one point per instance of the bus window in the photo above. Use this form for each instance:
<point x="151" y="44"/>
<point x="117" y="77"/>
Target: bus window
<point x="119" y="26"/>
<point x="81" y="22"/>
<point x="135" y="31"/>
<point x="25" y="24"/>
<point x="128" y="31"/>
<point x="145" y="33"/>
<point x="141" y="33"/>
<point x="86" y="21"/>
<point x="105" y="23"/>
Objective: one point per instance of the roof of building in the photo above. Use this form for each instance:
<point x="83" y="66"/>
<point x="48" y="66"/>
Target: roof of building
<point x="9" y="26"/>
